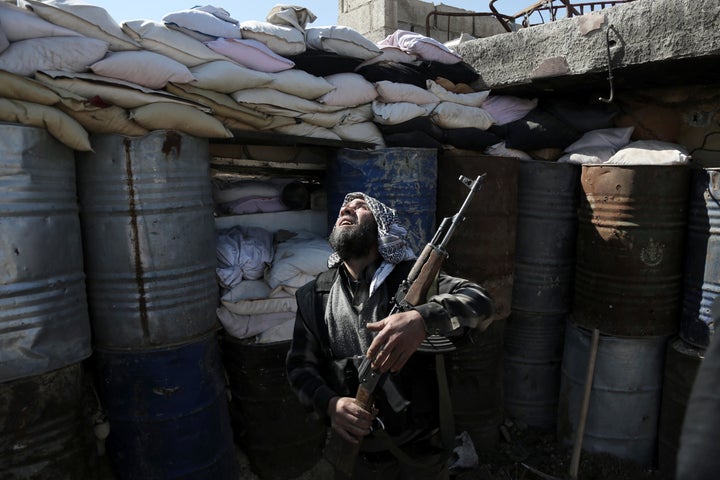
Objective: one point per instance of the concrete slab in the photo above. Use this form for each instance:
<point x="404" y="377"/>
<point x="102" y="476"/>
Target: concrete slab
<point x="664" y="42"/>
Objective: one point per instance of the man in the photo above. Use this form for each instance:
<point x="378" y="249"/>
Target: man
<point x="342" y="316"/>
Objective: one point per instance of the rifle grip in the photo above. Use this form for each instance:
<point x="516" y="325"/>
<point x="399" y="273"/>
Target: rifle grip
<point x="340" y="453"/>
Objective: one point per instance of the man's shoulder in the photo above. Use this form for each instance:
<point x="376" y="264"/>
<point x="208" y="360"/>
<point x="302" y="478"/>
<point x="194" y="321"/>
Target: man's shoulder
<point x="323" y="281"/>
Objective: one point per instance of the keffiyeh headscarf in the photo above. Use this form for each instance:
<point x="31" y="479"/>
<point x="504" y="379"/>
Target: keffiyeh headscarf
<point x="392" y="237"/>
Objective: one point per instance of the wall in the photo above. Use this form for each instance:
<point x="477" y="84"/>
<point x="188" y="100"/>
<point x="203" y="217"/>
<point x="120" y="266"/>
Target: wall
<point x="377" y="19"/>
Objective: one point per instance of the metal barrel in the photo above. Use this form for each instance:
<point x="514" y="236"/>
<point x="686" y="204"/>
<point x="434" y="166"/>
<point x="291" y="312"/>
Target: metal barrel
<point x="149" y="235"/>
<point x="629" y="261"/>
<point x="168" y="412"/>
<point x="624" y="407"/>
<point x="44" y="322"/>
<point x="533" y="347"/>
<point x="702" y="258"/>
<point x="402" y="178"/>
<point x="542" y="289"/>
<point x="45" y="432"/>
<point x="682" y="361"/>
<point x="546" y="237"/>
<point x="475" y="383"/>
<point x="280" y="438"/>
<point x="483" y="247"/>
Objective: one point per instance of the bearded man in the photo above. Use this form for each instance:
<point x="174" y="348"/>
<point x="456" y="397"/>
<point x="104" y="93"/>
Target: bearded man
<point x="343" y="316"/>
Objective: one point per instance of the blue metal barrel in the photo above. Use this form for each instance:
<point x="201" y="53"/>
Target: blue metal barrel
<point x="168" y="412"/>
<point x="682" y="362"/>
<point x="402" y="178"/>
<point x="702" y="258"/>
<point x="149" y="237"/>
<point x="45" y="431"/>
<point x="44" y="322"/>
<point x="624" y="407"/>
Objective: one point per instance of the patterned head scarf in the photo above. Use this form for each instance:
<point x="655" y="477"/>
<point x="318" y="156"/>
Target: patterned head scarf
<point x="392" y="237"/>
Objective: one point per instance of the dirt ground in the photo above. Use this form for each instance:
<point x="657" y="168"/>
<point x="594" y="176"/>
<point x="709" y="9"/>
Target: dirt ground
<point x="522" y="454"/>
<point x="528" y="454"/>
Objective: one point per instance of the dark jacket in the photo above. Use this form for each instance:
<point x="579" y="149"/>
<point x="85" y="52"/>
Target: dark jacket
<point x="312" y="371"/>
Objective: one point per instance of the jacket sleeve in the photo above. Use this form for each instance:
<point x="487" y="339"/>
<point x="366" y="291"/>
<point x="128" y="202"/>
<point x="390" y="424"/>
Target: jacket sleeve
<point x="306" y="355"/>
<point x="459" y="305"/>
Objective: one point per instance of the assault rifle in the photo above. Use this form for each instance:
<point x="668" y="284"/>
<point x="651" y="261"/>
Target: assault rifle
<point x="413" y="291"/>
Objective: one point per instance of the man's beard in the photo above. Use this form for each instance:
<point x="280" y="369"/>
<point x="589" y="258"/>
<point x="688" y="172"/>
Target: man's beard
<point x="353" y="242"/>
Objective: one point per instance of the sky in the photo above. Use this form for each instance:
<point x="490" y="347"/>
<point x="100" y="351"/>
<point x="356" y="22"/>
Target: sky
<point x="324" y="10"/>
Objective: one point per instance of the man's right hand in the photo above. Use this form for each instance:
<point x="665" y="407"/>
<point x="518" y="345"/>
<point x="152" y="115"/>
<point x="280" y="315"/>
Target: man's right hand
<point x="349" y="419"/>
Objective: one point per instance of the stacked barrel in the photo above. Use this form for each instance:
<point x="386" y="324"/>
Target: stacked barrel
<point x="628" y="286"/>
<point x="482" y="250"/>
<point x="701" y="286"/>
<point x="149" y="243"/>
<point x="44" y="326"/>
<point x="542" y="290"/>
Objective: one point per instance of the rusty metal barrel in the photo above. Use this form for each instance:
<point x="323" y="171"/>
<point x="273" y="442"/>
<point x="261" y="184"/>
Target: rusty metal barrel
<point x="702" y="258"/>
<point x="629" y="263"/>
<point x="44" y="322"/>
<point x="482" y="250"/>
<point x="624" y="406"/>
<point x="483" y="247"/>
<point x="149" y="236"/>
<point x="682" y="362"/>
<point x="402" y="178"/>
<point x="542" y="289"/>
<point x="45" y="432"/>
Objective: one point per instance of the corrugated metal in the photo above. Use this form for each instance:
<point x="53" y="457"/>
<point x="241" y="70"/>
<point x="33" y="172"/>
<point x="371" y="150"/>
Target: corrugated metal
<point x="483" y="247"/>
<point x="702" y="258"/>
<point x="149" y="239"/>
<point x="403" y="178"/>
<point x="168" y="412"/>
<point x="624" y="407"/>
<point x="279" y="437"/>
<point x="682" y="361"/>
<point x="44" y="321"/>
<point x="45" y="432"/>
<point x="631" y="237"/>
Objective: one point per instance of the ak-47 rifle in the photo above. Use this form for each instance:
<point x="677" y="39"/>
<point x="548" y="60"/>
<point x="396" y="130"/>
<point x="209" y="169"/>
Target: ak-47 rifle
<point x="413" y="291"/>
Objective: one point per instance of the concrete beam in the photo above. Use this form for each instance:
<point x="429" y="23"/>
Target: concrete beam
<point x="659" y="36"/>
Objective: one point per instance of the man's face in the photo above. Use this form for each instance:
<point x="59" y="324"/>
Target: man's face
<point x="355" y="230"/>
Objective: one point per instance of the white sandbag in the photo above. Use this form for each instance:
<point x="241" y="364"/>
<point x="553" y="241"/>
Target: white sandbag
<point x="90" y="20"/>
<point x="650" y="152"/>
<point x="174" y="116"/>
<point x="71" y="54"/>
<point x="57" y="123"/>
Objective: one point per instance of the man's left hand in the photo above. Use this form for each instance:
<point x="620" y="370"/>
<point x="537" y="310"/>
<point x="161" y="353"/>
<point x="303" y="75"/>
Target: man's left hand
<point x="399" y="336"/>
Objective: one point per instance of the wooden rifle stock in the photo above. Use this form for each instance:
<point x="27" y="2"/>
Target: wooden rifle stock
<point x="339" y="452"/>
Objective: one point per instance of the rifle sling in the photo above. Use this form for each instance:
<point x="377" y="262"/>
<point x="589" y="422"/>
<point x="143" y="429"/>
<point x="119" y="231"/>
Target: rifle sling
<point x="447" y="423"/>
